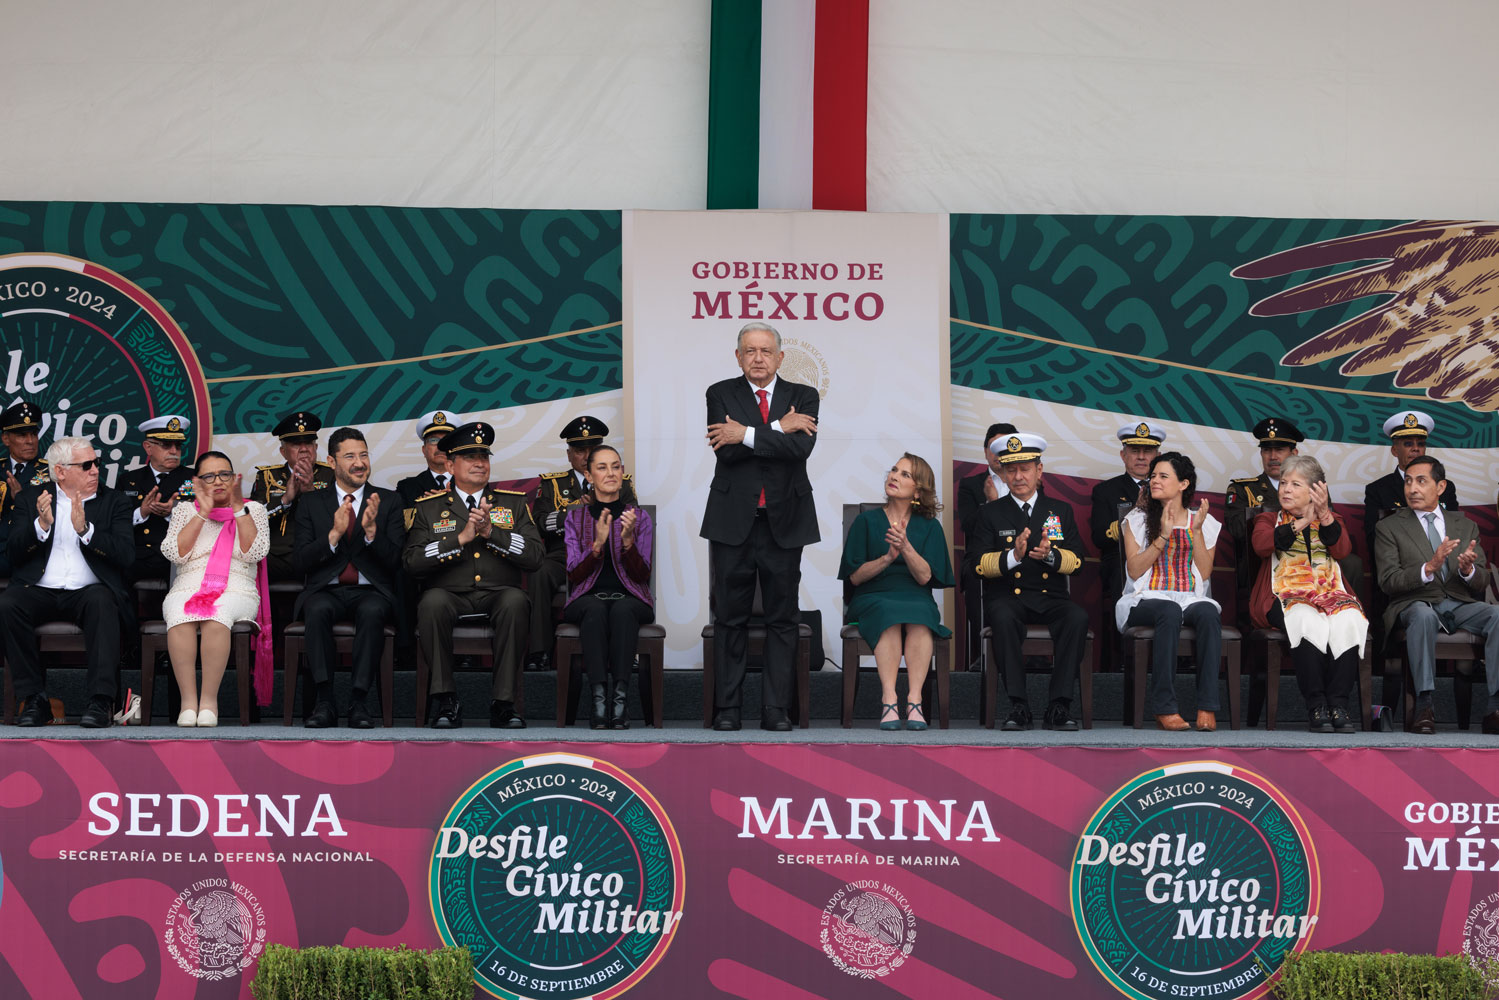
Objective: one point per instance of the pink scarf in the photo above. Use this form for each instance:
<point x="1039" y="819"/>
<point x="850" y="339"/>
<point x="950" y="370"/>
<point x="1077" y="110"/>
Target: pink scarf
<point x="215" y="578"/>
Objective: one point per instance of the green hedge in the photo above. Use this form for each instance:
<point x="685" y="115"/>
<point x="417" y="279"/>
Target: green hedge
<point x="1330" y="975"/>
<point x="335" y="973"/>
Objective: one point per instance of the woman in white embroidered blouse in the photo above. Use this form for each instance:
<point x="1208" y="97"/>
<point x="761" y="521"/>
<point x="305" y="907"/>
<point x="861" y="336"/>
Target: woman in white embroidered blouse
<point x="1168" y="563"/>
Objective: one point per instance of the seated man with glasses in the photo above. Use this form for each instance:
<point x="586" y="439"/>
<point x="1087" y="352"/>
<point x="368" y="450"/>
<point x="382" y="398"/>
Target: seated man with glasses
<point x="69" y="548"/>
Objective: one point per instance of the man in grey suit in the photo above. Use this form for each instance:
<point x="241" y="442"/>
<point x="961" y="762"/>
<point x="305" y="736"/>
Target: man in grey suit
<point x="1432" y="567"/>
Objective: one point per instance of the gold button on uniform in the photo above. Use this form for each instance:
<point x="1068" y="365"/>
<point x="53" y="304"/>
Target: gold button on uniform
<point x="476" y="577"/>
<point x="1045" y="575"/>
<point x="147" y="531"/>
<point x="1017" y="574"/>
<point x="1017" y="590"/>
<point x="476" y="555"/>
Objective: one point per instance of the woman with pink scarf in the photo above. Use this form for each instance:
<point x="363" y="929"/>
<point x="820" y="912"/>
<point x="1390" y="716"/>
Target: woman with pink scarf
<point x="218" y="544"/>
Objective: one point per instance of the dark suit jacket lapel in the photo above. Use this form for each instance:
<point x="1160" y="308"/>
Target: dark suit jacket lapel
<point x="780" y="400"/>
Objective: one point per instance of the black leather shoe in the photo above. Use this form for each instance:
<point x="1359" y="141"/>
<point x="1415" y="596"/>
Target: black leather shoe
<point x="539" y="661"/>
<point x="502" y="716"/>
<point x="1491" y="723"/>
<point x="99" y="714"/>
<point x="600" y="717"/>
<point x="774" y="720"/>
<point x="359" y="716"/>
<point x="1320" y="720"/>
<point x="726" y="720"/>
<point x="37" y="712"/>
<point x="619" y="706"/>
<point x="1058" y="719"/>
<point x="1425" y="723"/>
<point x="1342" y="722"/>
<point x="1019" y="719"/>
<point x="446" y="712"/>
<point x="322" y="717"/>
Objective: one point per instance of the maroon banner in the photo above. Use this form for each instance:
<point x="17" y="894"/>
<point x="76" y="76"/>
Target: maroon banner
<point x="162" y="869"/>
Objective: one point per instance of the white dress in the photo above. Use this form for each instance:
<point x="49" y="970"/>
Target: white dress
<point x="241" y="598"/>
<point x="1138" y="589"/>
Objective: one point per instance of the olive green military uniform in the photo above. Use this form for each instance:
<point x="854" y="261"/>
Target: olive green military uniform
<point x="482" y="577"/>
<point x="269" y="489"/>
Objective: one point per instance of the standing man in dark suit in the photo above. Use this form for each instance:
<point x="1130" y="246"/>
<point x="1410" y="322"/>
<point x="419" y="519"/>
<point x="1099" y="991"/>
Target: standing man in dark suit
<point x="760" y="514"/>
<point x="973" y="492"/>
<point x="553" y="494"/>
<point x="431" y="428"/>
<point x="279" y="486"/>
<point x="471" y="544"/>
<point x="1025" y="546"/>
<point x="153" y="489"/>
<point x="349" y="542"/>
<point x="19" y="425"/>
<point x="69" y="549"/>
<point x="1432" y="568"/>
<point x="1139" y="443"/>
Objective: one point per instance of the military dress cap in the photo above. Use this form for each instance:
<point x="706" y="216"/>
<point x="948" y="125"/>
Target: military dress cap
<point x="997" y="429"/>
<point x="299" y="428"/>
<point x="1409" y="423"/>
<point x="585" y="430"/>
<point x="169" y="427"/>
<point x="1018" y="447"/>
<point x="1142" y="434"/>
<point x="437" y="422"/>
<point x="1277" y="430"/>
<point x="474" y="437"/>
<point x="23" y="416"/>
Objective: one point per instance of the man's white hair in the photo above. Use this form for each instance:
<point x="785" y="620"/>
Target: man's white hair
<point x="757" y="325"/>
<point x="63" y="450"/>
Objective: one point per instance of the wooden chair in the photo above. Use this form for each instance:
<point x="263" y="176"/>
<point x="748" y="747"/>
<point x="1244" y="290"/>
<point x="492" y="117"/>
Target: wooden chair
<point x="1462" y="650"/>
<point x="294" y="641"/>
<point x="1037" y="642"/>
<point x="855" y="647"/>
<point x="1273" y="647"/>
<point x="51" y="637"/>
<point x="651" y="646"/>
<point x="1138" y="641"/>
<point x="154" y="640"/>
<point x="755" y="646"/>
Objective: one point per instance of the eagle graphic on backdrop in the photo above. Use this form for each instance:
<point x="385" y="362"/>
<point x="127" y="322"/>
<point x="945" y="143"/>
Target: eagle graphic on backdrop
<point x="1439" y="328"/>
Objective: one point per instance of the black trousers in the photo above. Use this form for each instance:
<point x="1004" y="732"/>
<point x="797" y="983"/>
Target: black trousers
<point x="1009" y="614"/>
<point x="542" y="584"/>
<point x="506" y="611"/>
<point x="610" y="631"/>
<point x="736" y="568"/>
<point x="93" y="608"/>
<point x="1167" y="618"/>
<point x="1322" y="677"/>
<point x="370" y="612"/>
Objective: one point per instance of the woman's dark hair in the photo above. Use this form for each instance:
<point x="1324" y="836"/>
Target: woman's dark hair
<point x="588" y="462"/>
<point x="1186" y="472"/>
<point x="213" y="454"/>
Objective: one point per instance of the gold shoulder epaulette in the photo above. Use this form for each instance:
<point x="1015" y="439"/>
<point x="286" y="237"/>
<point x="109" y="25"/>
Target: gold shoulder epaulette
<point x="325" y="465"/>
<point x="430" y="494"/>
<point x="1245" y="479"/>
<point x="267" y="468"/>
<point x="514" y="493"/>
<point x="556" y="475"/>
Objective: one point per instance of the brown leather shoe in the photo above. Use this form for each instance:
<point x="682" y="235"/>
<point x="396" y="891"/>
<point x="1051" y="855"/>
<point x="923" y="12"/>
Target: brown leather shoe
<point x="1425" y="722"/>
<point x="1491" y="723"/>
<point x="1207" y="722"/>
<point x="1172" y="723"/>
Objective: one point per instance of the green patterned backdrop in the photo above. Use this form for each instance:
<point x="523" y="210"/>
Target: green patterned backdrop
<point x="1141" y="315"/>
<point x="361" y="314"/>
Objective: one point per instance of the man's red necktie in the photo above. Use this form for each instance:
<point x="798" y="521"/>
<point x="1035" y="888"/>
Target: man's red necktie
<point x="350" y="575"/>
<point x="765" y="418"/>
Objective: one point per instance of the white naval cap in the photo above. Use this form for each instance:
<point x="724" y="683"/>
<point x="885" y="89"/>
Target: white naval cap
<point x="1409" y="423"/>
<point x="1144" y="434"/>
<point x="167" y="427"/>
<point x="1018" y="447"/>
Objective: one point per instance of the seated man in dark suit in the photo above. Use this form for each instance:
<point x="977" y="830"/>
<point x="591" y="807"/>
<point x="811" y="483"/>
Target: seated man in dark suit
<point x="973" y="492"/>
<point x="1025" y="546"/>
<point x="69" y="549"/>
<point x="1432" y="567"/>
<point x="349" y="542"/>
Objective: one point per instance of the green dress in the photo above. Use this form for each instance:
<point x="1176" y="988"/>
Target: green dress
<point x="893" y="597"/>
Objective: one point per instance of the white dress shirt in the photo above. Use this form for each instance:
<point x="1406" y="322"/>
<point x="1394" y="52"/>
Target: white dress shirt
<point x="1441" y="525"/>
<point x="66" y="567"/>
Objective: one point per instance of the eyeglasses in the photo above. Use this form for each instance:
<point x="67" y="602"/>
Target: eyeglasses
<point x="216" y="477"/>
<point x="85" y="466"/>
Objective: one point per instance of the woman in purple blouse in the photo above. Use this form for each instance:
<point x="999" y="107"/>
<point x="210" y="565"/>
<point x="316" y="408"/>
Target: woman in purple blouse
<point x="608" y="583"/>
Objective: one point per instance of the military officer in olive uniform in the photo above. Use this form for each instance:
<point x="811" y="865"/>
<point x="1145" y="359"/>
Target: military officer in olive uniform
<point x="19" y="426"/>
<point x="153" y="489"/>
<point x="1025" y="546"/>
<point x="1278" y="438"/>
<point x="431" y="428"/>
<point x="1139" y="443"/>
<point x="471" y="544"/>
<point x="556" y="491"/>
<point x="278" y="486"/>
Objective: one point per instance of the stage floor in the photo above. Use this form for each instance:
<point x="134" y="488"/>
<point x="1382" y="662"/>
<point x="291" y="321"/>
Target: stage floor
<point x="962" y="733"/>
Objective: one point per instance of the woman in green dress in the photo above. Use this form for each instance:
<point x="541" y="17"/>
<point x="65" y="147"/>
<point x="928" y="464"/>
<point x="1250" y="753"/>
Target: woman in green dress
<point x="894" y="557"/>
